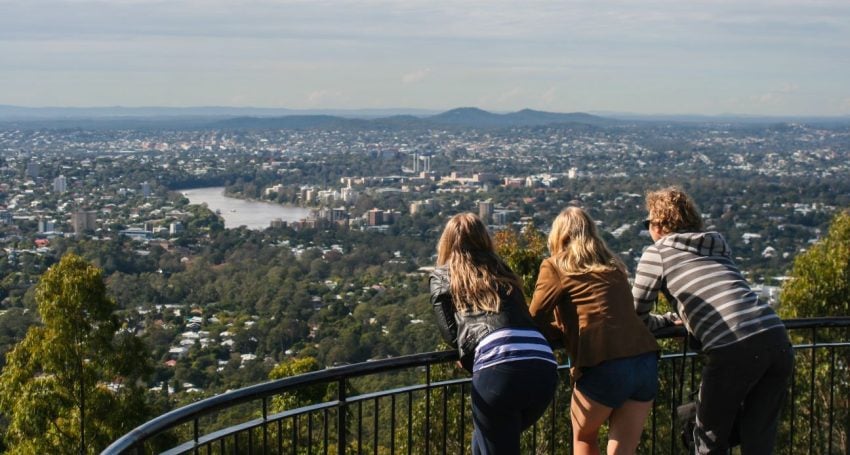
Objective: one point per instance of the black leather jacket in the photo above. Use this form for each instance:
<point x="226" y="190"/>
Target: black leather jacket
<point x="465" y="329"/>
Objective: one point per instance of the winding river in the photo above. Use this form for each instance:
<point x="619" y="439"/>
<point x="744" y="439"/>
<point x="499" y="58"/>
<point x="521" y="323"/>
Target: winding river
<point x="255" y="215"/>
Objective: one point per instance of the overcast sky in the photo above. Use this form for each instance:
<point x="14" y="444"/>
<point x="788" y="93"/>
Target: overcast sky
<point x="760" y="57"/>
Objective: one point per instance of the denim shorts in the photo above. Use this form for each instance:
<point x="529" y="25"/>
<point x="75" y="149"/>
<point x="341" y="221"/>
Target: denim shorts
<point x="616" y="381"/>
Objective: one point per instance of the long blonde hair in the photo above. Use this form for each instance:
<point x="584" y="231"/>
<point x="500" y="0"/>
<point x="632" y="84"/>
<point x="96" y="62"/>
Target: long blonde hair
<point x="576" y="247"/>
<point x="476" y="272"/>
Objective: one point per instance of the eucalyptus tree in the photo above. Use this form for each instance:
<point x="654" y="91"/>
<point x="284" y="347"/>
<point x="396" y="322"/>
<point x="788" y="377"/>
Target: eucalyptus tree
<point x="73" y="383"/>
<point x="819" y="286"/>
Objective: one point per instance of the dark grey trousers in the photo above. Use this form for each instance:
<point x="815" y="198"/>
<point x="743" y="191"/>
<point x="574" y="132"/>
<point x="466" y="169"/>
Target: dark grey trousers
<point x="506" y="399"/>
<point x="748" y="380"/>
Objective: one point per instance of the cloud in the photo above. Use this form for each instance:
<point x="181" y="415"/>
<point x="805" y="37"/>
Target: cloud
<point x="776" y="96"/>
<point x="416" y="76"/>
<point x="548" y="97"/>
<point x="323" y="97"/>
<point x="788" y="87"/>
<point x="506" y="54"/>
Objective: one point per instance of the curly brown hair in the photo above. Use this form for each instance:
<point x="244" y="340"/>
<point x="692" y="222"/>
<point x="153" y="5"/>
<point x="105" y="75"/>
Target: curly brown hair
<point x="673" y="210"/>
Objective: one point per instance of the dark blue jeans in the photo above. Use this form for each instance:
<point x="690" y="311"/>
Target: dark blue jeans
<point x="748" y="379"/>
<point x="506" y="399"/>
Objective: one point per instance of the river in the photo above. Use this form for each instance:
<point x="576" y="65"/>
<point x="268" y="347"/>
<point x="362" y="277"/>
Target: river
<point x="256" y="215"/>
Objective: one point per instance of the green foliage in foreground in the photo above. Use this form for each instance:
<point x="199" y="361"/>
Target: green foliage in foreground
<point x="820" y="278"/>
<point x="819" y="286"/>
<point x="72" y="384"/>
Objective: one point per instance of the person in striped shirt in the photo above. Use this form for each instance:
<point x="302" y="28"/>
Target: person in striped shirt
<point x="480" y="310"/>
<point x="749" y="360"/>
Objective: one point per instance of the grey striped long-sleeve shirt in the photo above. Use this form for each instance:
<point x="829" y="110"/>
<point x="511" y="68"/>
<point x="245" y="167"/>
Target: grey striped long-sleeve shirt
<point x="696" y="273"/>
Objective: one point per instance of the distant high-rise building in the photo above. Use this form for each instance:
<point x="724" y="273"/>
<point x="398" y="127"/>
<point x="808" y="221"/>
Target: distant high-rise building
<point x="417" y="207"/>
<point x="485" y="211"/>
<point x="45" y="225"/>
<point x="348" y="195"/>
<point x="175" y="228"/>
<point x="60" y="184"/>
<point x="485" y="177"/>
<point x="308" y="194"/>
<point x="32" y="170"/>
<point x="327" y="196"/>
<point x="339" y="214"/>
<point x="83" y="220"/>
<point x="5" y="217"/>
<point x="500" y="218"/>
<point x="146" y="189"/>
<point x="427" y="164"/>
<point x="375" y="217"/>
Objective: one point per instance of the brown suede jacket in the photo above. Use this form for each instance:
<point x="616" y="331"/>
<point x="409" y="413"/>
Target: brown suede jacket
<point x="592" y="314"/>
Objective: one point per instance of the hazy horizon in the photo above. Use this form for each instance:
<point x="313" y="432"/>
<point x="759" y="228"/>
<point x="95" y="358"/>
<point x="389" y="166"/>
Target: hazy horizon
<point x="708" y="57"/>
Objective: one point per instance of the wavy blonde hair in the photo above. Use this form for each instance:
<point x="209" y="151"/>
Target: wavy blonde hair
<point x="476" y="272"/>
<point x="673" y="210"/>
<point x="576" y="247"/>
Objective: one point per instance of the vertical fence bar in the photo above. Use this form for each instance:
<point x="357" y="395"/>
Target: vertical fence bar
<point x="294" y="435"/>
<point x="409" y="423"/>
<point x="812" y="393"/>
<point x="445" y="417"/>
<point x="309" y="434"/>
<point x="671" y="410"/>
<point x="392" y="423"/>
<point x="280" y="436"/>
<point x="831" y="395"/>
<point x="195" y="435"/>
<point x="341" y="424"/>
<point x="553" y="421"/>
<point x="375" y="428"/>
<point x="428" y="409"/>
<point x="462" y="399"/>
<point x="359" y="427"/>
<point x="792" y="402"/>
<point x="653" y="416"/>
<point x="325" y="435"/>
<point x="250" y="440"/>
<point x="265" y="425"/>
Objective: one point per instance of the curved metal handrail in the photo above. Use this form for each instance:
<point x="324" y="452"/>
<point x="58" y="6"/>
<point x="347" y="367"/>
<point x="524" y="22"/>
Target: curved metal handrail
<point x="271" y="388"/>
<point x="267" y="389"/>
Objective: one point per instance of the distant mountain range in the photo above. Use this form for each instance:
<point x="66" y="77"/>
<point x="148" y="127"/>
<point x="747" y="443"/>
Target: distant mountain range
<point x="257" y="118"/>
<point x="274" y="118"/>
<point x="463" y="117"/>
<point x="8" y="112"/>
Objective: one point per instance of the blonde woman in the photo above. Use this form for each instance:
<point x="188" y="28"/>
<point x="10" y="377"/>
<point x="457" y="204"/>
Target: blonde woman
<point x="749" y="360"/>
<point x="480" y="309"/>
<point x="583" y="292"/>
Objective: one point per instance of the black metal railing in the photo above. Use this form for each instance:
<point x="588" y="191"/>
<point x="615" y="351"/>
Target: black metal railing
<point x="362" y="409"/>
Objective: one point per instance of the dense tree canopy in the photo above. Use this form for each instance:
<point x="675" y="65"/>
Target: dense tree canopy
<point x="72" y="384"/>
<point x="820" y="277"/>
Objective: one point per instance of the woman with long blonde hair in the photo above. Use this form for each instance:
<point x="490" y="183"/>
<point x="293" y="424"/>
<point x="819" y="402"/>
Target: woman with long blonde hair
<point x="481" y="311"/>
<point x="583" y="295"/>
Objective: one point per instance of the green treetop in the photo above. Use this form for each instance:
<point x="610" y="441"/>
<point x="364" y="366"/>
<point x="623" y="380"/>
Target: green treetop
<point x="820" y="278"/>
<point x="73" y="383"/>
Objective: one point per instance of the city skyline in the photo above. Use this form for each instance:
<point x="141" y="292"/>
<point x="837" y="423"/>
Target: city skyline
<point x="753" y="57"/>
